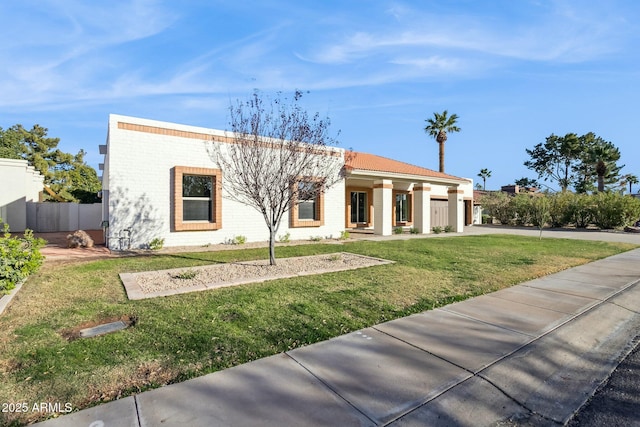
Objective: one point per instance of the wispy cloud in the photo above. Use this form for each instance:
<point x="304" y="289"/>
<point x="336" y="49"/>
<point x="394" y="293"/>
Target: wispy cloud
<point x="561" y="34"/>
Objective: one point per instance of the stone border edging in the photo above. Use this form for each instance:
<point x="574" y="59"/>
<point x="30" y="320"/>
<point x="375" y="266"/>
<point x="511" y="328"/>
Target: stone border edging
<point x="135" y="292"/>
<point x="6" y="299"/>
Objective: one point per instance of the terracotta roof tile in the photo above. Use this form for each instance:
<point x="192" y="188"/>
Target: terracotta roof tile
<point x="372" y="162"/>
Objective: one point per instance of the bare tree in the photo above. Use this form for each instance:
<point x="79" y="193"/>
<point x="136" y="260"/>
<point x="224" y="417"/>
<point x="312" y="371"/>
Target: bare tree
<point x="276" y="157"/>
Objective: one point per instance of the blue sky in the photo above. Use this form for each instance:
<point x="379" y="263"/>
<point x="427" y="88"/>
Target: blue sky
<point x="513" y="71"/>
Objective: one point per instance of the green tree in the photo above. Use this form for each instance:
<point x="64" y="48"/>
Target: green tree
<point x="484" y="174"/>
<point x="629" y="179"/>
<point x="598" y="164"/>
<point x="556" y="159"/>
<point x="437" y="127"/>
<point x="66" y="174"/>
<point x="10" y="147"/>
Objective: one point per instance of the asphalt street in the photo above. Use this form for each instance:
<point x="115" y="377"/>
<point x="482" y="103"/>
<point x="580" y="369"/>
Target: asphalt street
<point x="617" y="401"/>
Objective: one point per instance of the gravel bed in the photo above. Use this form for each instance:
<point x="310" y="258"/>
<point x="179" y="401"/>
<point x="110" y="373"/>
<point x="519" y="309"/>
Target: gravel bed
<point x="248" y="271"/>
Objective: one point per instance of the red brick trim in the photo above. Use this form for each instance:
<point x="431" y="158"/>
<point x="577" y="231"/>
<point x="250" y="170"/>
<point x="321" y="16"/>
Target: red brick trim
<point x="383" y="186"/>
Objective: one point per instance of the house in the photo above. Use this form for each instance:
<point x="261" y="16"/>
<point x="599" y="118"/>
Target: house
<point x="148" y="165"/>
<point x="21" y="184"/>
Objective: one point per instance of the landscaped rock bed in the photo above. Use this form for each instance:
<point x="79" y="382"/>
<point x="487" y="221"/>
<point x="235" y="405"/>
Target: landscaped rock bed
<point x="175" y="281"/>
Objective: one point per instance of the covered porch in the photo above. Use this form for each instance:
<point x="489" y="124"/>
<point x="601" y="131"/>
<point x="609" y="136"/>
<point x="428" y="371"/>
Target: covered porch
<point x="382" y="195"/>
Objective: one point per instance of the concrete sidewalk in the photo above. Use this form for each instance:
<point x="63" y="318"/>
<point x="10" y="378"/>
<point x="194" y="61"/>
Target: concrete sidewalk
<point x="531" y="355"/>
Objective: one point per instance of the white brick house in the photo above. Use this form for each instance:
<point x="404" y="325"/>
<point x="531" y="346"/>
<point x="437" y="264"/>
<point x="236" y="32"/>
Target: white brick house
<point x="147" y="161"/>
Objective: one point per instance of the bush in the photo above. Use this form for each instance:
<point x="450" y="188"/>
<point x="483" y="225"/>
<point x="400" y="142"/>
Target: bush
<point x="559" y="213"/>
<point x="19" y="257"/>
<point x="414" y="230"/>
<point x="448" y="228"/>
<point x="398" y="230"/>
<point x="612" y="210"/>
<point x="437" y="229"/>
<point x="580" y="210"/>
<point x="284" y="238"/>
<point x="344" y="235"/>
<point x="315" y="238"/>
<point x="156" y="244"/>
<point x="499" y="206"/>
<point x="521" y="205"/>
<point x="540" y="211"/>
<point x="239" y="240"/>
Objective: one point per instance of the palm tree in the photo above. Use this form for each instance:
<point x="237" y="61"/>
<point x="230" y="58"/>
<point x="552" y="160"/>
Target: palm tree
<point x="438" y="127"/>
<point x="629" y="179"/>
<point x="484" y="174"/>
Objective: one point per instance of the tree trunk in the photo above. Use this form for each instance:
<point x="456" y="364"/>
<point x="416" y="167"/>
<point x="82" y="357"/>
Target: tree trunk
<point x="441" y="156"/>
<point x="272" y="246"/>
<point x="600" y="183"/>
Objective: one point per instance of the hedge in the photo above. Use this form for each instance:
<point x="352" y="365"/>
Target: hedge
<point x="19" y="257"/>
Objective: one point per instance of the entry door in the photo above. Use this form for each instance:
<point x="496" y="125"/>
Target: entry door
<point x="358" y="207"/>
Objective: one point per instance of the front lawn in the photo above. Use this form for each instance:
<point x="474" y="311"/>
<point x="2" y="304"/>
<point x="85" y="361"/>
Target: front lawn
<point x="184" y="336"/>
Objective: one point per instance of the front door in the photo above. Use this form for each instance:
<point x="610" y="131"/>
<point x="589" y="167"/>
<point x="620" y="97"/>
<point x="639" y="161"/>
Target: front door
<point x="358" y="207"/>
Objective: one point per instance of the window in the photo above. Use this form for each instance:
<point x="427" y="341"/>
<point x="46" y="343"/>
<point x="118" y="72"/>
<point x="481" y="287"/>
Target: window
<point x="307" y="195"/>
<point x="359" y="207"/>
<point x="197" y="199"/>
<point x="308" y="203"/>
<point x="403" y="208"/>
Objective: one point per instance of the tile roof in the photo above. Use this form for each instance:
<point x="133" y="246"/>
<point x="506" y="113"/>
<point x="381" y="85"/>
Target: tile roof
<point x="371" y="162"/>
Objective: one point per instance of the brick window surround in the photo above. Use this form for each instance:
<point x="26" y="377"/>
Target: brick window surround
<point x="295" y="222"/>
<point x="177" y="206"/>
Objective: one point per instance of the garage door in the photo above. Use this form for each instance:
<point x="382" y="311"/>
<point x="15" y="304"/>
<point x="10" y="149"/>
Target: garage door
<point x="439" y="213"/>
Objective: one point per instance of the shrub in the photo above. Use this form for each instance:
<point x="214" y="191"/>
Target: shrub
<point x="186" y="275"/>
<point x="580" y="210"/>
<point x="612" y="210"/>
<point x="559" y="213"/>
<point x="398" y="230"/>
<point x="448" y="228"/>
<point x="315" y="238"/>
<point x="156" y="244"/>
<point x="19" y="257"/>
<point x="521" y="205"/>
<point x="499" y="206"/>
<point x="239" y="240"/>
<point x="414" y="230"/>
<point x="284" y="238"/>
<point x="344" y="235"/>
<point x="437" y="229"/>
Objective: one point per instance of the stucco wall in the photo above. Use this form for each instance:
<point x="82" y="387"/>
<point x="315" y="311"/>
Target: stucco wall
<point x="138" y="180"/>
<point x="20" y="183"/>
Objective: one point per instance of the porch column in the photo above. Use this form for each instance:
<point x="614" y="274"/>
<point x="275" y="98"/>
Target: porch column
<point x="382" y="207"/>
<point x="456" y="209"/>
<point x="422" y="208"/>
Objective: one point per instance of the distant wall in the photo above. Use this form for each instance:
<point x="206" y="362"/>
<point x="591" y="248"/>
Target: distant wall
<point x="52" y="217"/>
<point x="20" y="184"/>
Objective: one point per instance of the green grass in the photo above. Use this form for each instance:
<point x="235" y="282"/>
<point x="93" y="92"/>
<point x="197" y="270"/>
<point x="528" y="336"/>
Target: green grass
<point x="183" y="336"/>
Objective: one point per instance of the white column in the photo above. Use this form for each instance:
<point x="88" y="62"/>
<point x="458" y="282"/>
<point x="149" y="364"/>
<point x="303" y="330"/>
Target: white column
<point x="382" y="207"/>
<point x="456" y="209"/>
<point x="422" y="208"/>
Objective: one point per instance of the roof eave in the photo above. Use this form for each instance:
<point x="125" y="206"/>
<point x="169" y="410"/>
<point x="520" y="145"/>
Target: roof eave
<point x="401" y="176"/>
